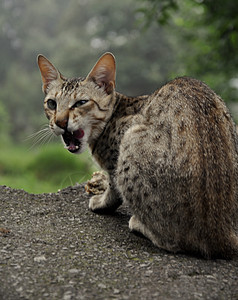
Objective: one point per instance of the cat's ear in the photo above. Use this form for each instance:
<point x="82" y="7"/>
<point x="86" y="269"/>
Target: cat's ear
<point x="104" y="72"/>
<point x="48" y="72"/>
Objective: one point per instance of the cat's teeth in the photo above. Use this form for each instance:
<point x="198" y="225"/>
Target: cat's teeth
<point x="77" y="147"/>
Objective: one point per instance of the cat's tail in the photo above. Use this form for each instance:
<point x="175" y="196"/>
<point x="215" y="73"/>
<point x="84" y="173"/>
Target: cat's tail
<point x="226" y="247"/>
<point x="220" y="245"/>
<point x="211" y="240"/>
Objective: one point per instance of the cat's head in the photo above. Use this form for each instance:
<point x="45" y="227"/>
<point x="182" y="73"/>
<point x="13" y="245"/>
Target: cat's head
<point x="79" y="108"/>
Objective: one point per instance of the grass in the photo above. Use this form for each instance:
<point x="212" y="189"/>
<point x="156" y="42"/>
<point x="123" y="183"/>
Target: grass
<point x="43" y="170"/>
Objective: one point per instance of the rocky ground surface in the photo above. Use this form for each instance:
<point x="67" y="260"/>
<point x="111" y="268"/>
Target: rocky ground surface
<point x="53" y="247"/>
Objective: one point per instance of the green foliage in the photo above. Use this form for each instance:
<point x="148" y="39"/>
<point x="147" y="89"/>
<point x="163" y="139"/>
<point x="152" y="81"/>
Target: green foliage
<point x="53" y="163"/>
<point x="205" y="34"/>
<point x="45" y="170"/>
<point x="73" y="34"/>
<point x="158" y="10"/>
<point x="4" y="124"/>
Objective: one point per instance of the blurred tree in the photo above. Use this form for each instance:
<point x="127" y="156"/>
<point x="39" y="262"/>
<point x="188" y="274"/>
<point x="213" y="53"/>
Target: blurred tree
<point x="93" y="27"/>
<point x="73" y="34"/>
<point x="208" y="31"/>
<point x="4" y="125"/>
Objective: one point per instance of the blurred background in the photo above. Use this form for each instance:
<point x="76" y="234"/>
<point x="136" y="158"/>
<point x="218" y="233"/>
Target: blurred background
<point x="153" y="41"/>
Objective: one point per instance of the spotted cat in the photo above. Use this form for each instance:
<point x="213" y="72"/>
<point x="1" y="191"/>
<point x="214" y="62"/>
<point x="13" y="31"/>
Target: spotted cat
<point x="172" y="155"/>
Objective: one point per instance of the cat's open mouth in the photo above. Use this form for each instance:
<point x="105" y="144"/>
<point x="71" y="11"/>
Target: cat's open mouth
<point x="73" y="140"/>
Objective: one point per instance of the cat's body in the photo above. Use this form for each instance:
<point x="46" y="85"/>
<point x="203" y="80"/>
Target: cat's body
<point x="172" y="156"/>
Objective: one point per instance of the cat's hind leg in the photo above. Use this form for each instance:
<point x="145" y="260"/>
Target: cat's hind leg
<point x="136" y="226"/>
<point x="143" y="186"/>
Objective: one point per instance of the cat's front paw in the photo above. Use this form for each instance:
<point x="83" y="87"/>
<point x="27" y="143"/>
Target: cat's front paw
<point x="97" y="203"/>
<point x="106" y="203"/>
<point x="98" y="184"/>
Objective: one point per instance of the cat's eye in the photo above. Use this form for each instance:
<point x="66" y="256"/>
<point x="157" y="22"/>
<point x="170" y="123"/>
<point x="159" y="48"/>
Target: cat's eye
<point x="51" y="104"/>
<point x="80" y="103"/>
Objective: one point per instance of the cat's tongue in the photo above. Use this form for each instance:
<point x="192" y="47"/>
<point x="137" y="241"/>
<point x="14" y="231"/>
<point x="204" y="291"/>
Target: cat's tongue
<point x="72" y="140"/>
<point x="78" y="134"/>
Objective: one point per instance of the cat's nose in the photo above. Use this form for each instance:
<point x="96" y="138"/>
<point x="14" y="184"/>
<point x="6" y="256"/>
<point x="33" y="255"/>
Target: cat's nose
<point x="62" y="123"/>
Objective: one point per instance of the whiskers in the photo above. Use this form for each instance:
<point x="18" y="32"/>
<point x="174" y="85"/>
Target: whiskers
<point x="41" y="137"/>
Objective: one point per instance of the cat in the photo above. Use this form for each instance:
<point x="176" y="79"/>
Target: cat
<point x="172" y="156"/>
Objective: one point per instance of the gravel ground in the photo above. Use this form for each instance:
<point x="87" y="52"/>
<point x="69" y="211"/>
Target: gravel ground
<point x="53" y="247"/>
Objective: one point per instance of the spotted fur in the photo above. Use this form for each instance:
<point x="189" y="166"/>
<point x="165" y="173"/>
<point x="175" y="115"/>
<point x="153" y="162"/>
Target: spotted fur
<point x="172" y="156"/>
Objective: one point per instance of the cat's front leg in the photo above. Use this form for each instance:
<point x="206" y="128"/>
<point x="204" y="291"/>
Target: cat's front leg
<point x="106" y="202"/>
